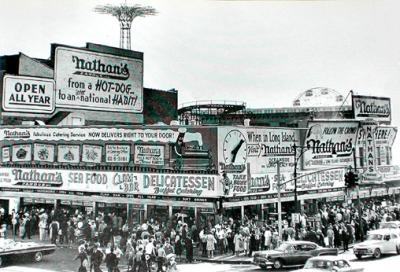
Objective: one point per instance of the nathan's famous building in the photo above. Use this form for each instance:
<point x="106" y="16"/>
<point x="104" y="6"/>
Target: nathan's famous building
<point x="79" y="130"/>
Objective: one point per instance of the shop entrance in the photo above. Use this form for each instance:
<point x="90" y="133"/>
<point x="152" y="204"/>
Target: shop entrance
<point x="4" y="206"/>
<point x="159" y="213"/>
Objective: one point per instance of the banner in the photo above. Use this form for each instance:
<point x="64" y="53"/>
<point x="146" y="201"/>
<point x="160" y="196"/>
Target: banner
<point x="330" y="143"/>
<point x="28" y="94"/>
<point x="190" y="185"/>
<point x="118" y="153"/>
<point x="22" y="153"/>
<point x="97" y="81"/>
<point x="371" y="107"/>
<point x="43" y="152"/>
<point x="92" y="153"/>
<point x="149" y="155"/>
<point x="68" y="153"/>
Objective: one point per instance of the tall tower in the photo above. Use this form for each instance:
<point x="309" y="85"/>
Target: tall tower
<point x="125" y="15"/>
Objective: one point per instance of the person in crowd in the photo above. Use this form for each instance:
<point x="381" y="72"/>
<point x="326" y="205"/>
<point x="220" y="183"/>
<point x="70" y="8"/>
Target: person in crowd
<point x="83" y="258"/>
<point x="96" y="258"/>
<point x="111" y="261"/>
<point x="211" y="241"/>
<point x="189" y="249"/>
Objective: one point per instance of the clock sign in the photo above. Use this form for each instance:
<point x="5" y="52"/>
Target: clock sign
<point x="235" y="147"/>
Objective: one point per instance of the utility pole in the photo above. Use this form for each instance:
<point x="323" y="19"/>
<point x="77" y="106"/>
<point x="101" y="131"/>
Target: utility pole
<point x="278" y="172"/>
<point x="295" y="178"/>
<point x="358" y="198"/>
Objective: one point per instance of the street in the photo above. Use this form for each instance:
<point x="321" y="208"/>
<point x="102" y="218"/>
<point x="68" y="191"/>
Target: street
<point x="62" y="261"/>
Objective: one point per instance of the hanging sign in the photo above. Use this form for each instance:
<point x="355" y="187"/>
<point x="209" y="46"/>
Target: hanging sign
<point x="28" y="94"/>
<point x="149" y="154"/>
<point x="370" y="172"/>
<point x="118" y="153"/>
<point x="68" y="153"/>
<point x="92" y="153"/>
<point x="22" y="153"/>
<point x="43" y="152"/>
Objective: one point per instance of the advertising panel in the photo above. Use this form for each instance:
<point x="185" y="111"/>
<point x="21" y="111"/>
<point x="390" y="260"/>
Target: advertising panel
<point x="68" y="153"/>
<point x="92" y="153"/>
<point x="28" y="94"/>
<point x="314" y="181"/>
<point x="43" y="152"/>
<point x="330" y="143"/>
<point x="166" y="184"/>
<point x="183" y="148"/>
<point x="371" y="107"/>
<point x="6" y="154"/>
<point x="118" y="153"/>
<point x="247" y="151"/>
<point x="149" y="154"/>
<point x="97" y="81"/>
<point x="21" y="153"/>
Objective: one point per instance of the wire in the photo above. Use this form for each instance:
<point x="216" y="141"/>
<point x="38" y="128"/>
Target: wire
<point x="344" y="101"/>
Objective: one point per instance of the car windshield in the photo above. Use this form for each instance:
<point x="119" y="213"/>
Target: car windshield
<point x="284" y="246"/>
<point x="388" y="226"/>
<point x="374" y="237"/>
<point x="320" y="264"/>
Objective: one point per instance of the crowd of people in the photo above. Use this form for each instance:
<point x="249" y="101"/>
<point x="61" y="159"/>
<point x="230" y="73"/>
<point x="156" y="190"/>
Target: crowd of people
<point x="158" y="246"/>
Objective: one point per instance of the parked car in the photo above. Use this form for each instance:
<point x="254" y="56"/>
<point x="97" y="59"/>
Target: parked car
<point x="381" y="241"/>
<point x="328" y="263"/>
<point x="390" y="225"/>
<point x="290" y="254"/>
<point x="10" y="249"/>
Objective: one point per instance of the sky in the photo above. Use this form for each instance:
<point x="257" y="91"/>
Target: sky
<point x="264" y="53"/>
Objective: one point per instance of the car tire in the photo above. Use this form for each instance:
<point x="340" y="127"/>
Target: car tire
<point x="359" y="256"/>
<point x="377" y="253"/>
<point x="398" y="249"/>
<point x="38" y="257"/>
<point x="277" y="264"/>
<point x="1" y="261"/>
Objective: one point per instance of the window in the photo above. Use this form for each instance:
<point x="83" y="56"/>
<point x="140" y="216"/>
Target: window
<point x="341" y="264"/>
<point x="378" y="152"/>
<point x="393" y="236"/>
<point x="307" y="247"/>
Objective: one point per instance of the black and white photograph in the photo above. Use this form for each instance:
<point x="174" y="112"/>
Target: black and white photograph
<point x="199" y="135"/>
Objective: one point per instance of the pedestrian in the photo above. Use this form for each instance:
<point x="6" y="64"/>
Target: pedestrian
<point x="145" y="265"/>
<point x="96" y="258"/>
<point x="54" y="227"/>
<point x="178" y="247"/>
<point x="267" y="238"/>
<point x="83" y="257"/>
<point x="330" y="234"/>
<point x="111" y="261"/>
<point x="189" y="249"/>
<point x="161" y="257"/>
<point x="138" y="259"/>
<point x="211" y="241"/>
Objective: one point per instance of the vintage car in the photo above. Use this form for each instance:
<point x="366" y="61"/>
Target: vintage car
<point x="10" y="249"/>
<point x="328" y="263"/>
<point x="290" y="254"/>
<point x="381" y="241"/>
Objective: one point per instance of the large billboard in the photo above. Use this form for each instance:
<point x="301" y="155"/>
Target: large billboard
<point x="97" y="81"/>
<point x="28" y="94"/>
<point x="329" y="143"/>
<point x="245" y="151"/>
<point x="371" y="107"/>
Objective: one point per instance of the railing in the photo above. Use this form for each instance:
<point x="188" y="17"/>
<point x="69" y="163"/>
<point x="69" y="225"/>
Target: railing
<point x="213" y="102"/>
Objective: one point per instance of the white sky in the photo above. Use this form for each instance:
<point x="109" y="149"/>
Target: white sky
<point x="262" y="52"/>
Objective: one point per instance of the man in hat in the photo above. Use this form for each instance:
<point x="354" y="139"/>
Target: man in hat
<point x="111" y="260"/>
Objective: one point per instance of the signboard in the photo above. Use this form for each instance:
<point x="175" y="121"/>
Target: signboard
<point x="330" y="143"/>
<point x="22" y="153"/>
<point x="97" y="81"/>
<point x="106" y="182"/>
<point x="118" y="153"/>
<point x="371" y="107"/>
<point x="245" y="152"/>
<point x="43" y="152"/>
<point x="149" y="154"/>
<point x="370" y="173"/>
<point x="28" y="94"/>
<point x="6" y="154"/>
<point x="92" y="153"/>
<point x="68" y="153"/>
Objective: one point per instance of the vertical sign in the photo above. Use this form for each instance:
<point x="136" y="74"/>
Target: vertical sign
<point x="370" y="154"/>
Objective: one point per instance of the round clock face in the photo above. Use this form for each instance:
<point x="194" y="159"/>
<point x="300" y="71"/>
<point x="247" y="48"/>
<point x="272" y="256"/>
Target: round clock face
<point x="235" y="148"/>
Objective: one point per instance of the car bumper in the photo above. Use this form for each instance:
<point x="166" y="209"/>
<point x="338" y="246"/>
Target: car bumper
<point x="263" y="263"/>
<point x="363" y="252"/>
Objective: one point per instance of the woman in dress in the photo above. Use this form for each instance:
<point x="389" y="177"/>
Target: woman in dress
<point x="211" y="241"/>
